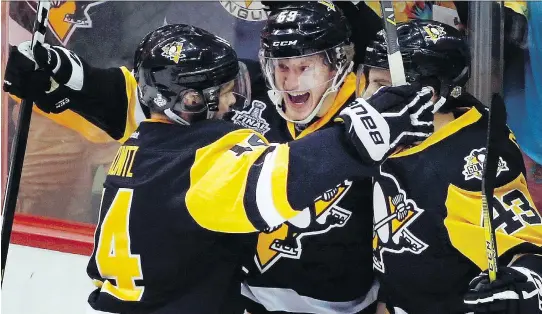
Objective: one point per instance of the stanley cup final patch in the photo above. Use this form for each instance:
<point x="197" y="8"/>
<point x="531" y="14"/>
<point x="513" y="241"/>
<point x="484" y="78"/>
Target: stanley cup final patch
<point x="252" y="118"/>
<point x="474" y="166"/>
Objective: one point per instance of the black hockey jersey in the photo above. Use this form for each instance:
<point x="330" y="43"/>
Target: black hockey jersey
<point x="328" y="240"/>
<point x="429" y="240"/>
<point x="178" y="203"/>
<point x="318" y="262"/>
<point x="322" y="259"/>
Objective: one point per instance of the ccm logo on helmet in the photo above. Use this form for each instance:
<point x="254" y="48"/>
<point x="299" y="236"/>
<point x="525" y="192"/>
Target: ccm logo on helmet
<point x="284" y="43"/>
<point x="368" y="122"/>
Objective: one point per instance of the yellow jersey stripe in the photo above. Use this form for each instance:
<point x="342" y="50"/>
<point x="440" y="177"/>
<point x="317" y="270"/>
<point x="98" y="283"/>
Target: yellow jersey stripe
<point x="218" y="181"/>
<point x="280" y="182"/>
<point x="131" y="96"/>
<point x="468" y="118"/>
<point x="464" y="222"/>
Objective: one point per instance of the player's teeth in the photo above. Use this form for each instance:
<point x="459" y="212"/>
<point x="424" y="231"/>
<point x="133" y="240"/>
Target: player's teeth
<point x="297" y="94"/>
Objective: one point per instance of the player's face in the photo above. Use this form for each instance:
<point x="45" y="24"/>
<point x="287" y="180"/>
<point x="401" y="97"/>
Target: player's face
<point x="377" y="78"/>
<point x="304" y="81"/>
<point x="225" y="100"/>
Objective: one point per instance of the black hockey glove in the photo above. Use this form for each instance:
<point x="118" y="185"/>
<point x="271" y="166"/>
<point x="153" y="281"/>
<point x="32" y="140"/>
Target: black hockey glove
<point x="48" y="75"/>
<point x="393" y="116"/>
<point x="517" y="290"/>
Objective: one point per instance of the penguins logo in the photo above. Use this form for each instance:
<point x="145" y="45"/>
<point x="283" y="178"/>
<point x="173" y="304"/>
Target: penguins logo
<point x="474" y="166"/>
<point x="394" y="212"/>
<point x="434" y="32"/>
<point x="173" y="51"/>
<point x="245" y="10"/>
<point x="67" y="16"/>
<point x="285" y="240"/>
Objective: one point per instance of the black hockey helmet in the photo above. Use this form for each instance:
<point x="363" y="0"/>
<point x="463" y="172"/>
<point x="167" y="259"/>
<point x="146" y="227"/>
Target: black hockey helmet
<point x="433" y="53"/>
<point x="301" y="29"/>
<point x="181" y="70"/>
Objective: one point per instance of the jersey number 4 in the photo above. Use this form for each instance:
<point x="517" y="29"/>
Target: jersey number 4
<point x="113" y="257"/>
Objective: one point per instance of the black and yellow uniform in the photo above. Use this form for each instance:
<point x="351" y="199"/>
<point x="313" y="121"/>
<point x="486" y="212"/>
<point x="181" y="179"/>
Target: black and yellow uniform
<point x="319" y="262"/>
<point x="174" y="184"/>
<point x="315" y="260"/>
<point x="428" y="241"/>
<point x="168" y="188"/>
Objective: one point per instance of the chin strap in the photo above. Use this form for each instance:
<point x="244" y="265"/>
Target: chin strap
<point x="439" y="104"/>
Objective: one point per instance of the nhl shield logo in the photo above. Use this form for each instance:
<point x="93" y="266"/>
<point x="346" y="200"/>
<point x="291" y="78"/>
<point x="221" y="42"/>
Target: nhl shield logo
<point x="474" y="166"/>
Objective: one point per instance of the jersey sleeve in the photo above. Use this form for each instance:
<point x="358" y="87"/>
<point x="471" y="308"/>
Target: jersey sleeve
<point x="516" y="221"/>
<point x="107" y="101"/>
<point x="242" y="183"/>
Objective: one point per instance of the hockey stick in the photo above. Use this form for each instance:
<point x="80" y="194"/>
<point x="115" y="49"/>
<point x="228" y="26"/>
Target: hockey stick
<point x="19" y="143"/>
<point x="496" y="130"/>
<point x="496" y="124"/>
<point x="395" y="60"/>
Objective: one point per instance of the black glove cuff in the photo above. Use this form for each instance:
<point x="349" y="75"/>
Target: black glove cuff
<point x="46" y="58"/>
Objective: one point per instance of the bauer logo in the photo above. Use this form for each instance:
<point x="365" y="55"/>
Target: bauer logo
<point x="474" y="166"/>
<point x="67" y="16"/>
<point x="246" y="10"/>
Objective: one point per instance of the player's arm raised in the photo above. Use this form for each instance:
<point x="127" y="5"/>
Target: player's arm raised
<point x="104" y="97"/>
<point x="247" y="184"/>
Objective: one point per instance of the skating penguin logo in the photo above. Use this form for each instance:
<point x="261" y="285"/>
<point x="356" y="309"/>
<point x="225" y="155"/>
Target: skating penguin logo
<point x="67" y="16"/>
<point x="285" y="241"/>
<point x="394" y="212"/>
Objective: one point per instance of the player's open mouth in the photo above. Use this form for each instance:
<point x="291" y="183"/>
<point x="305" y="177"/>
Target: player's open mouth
<point x="298" y="99"/>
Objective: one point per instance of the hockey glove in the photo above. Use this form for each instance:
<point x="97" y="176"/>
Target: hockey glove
<point x="393" y="116"/>
<point x="47" y="75"/>
<point x="517" y="290"/>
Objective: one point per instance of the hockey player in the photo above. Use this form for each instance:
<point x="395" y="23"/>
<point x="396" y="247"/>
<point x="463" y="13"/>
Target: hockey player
<point x="182" y="174"/>
<point x="320" y="262"/>
<point x="428" y="240"/>
<point x="319" y="266"/>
